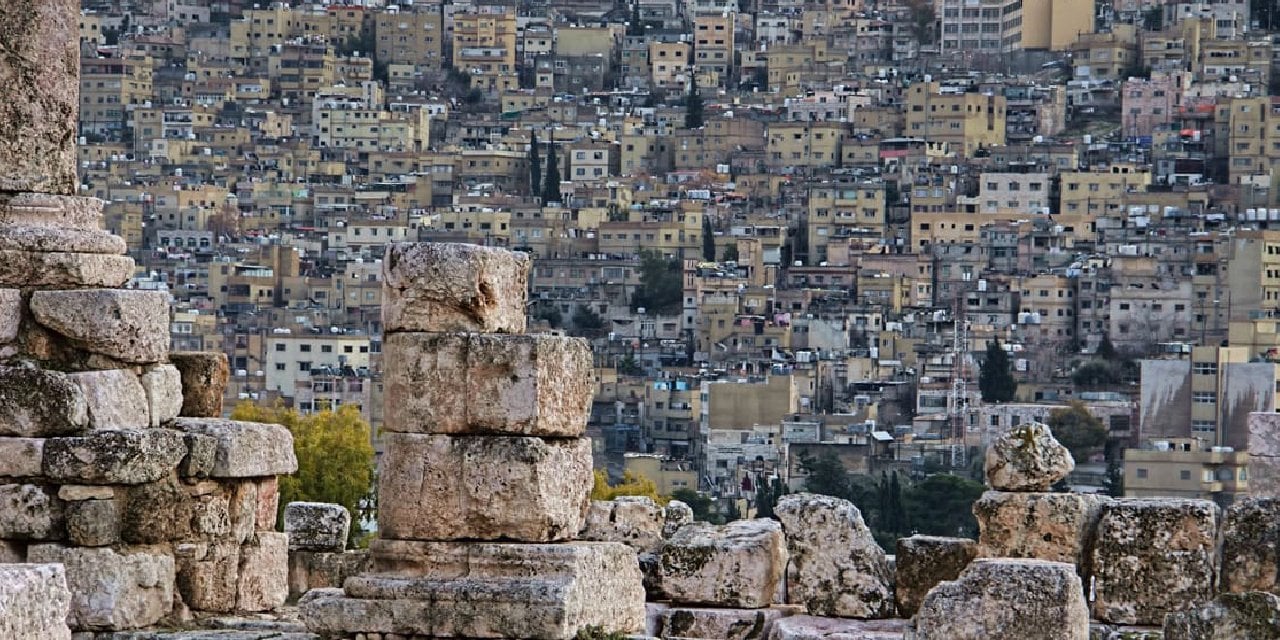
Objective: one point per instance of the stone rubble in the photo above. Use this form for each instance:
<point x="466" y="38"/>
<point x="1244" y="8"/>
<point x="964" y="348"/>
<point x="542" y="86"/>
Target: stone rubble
<point x="1251" y="546"/>
<point x="317" y="526"/>
<point x="837" y="568"/>
<point x="1047" y="526"/>
<point x="34" y="601"/>
<point x="922" y="562"/>
<point x="1230" y="616"/>
<point x="1007" y="599"/>
<point x="737" y="565"/>
<point x="1027" y="458"/>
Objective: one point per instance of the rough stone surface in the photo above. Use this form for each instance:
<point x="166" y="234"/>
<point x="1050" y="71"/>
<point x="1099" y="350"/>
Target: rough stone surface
<point x="20" y="457"/>
<point x="163" y="386"/>
<point x="30" y="512"/>
<point x="93" y="523"/>
<point x="268" y="504"/>
<point x="113" y="457"/>
<point x="207" y="575"/>
<point x="49" y="239"/>
<point x="317" y="526"/>
<point x="204" y="382"/>
<point x="10" y="314"/>
<point x="29" y="209"/>
<point x="40" y="73"/>
<point x="263" y="584"/>
<point x="453" y="287"/>
<point x="34" y="601"/>
<point x="837" y="569"/>
<point x="1028" y="458"/>
<point x="156" y="512"/>
<point x="815" y="628"/>
<point x="632" y="520"/>
<point x="110" y="589"/>
<point x="468" y="384"/>
<point x="675" y="515"/>
<point x="1250" y="539"/>
<point x="922" y="562"/>
<point x="130" y="326"/>
<point x="1264" y="454"/>
<point x="320" y="569"/>
<point x="729" y="624"/>
<point x="76" y="492"/>
<point x="1048" y="526"/>
<point x="202" y="451"/>
<point x="115" y="398"/>
<point x="63" y="269"/>
<point x="35" y="402"/>
<point x="735" y="565"/>
<point x="1153" y="557"/>
<point x="244" y="449"/>
<point x="1007" y="599"/>
<point x="483" y="488"/>
<point x="1230" y="616"/>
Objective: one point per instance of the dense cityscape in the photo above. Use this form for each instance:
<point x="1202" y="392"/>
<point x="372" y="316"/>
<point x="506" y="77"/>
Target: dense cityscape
<point x="879" y="233"/>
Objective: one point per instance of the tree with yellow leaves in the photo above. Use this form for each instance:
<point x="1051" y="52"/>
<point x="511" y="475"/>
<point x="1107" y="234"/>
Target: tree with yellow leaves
<point x="335" y="457"/>
<point x="633" y="484"/>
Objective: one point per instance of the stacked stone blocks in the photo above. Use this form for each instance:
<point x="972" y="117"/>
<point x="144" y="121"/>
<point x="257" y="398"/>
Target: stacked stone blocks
<point x="486" y="473"/>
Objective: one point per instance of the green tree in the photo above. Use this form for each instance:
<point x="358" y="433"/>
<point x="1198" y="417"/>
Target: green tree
<point x="633" y="484"/>
<point x="551" y="184"/>
<point x="535" y="165"/>
<point x="996" y="377"/>
<point x="635" y="26"/>
<point x="551" y="314"/>
<point x="693" y="106"/>
<point x="628" y="366"/>
<point x="1097" y="373"/>
<point x="700" y="504"/>
<point x="730" y="252"/>
<point x="826" y="475"/>
<point x="942" y="505"/>
<point x="1078" y="430"/>
<point x="335" y="457"/>
<point x="1114" y="482"/>
<point x="587" y="321"/>
<point x="708" y="240"/>
<point x="767" y="495"/>
<point x="661" y="285"/>
<point x="1107" y="350"/>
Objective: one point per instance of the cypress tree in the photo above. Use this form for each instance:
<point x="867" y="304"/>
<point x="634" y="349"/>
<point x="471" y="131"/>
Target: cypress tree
<point x="551" y="186"/>
<point x="535" y="165"/>
<point x="996" y="378"/>
<point x="708" y="240"/>
<point x="693" y="103"/>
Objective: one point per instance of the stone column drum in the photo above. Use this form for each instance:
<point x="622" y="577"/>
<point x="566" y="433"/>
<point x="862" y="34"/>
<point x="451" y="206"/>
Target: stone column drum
<point x="486" y="473"/>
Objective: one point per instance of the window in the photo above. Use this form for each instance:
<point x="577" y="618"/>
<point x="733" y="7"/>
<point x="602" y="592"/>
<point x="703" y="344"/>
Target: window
<point x="1204" y="397"/>
<point x="1202" y="426"/>
<point x="1205" y="368"/>
<point x="280" y="346"/>
<point x="1142" y="474"/>
<point x="1185" y="474"/>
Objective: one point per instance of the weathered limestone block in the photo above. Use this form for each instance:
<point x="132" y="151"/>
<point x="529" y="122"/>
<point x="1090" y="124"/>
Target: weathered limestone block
<point x="40" y="73"/>
<point x="1028" y="458"/>
<point x="30" y="209"/>
<point x="728" y="624"/>
<point x="675" y="515"/>
<point x="30" y="512"/>
<point x="34" y="601"/>
<point x="1230" y="616"/>
<point x="115" y="398"/>
<point x="469" y="384"/>
<point x="210" y="512"/>
<point x="10" y="314"/>
<point x="921" y="562"/>
<point x="163" y="386"/>
<point x="35" y="402"/>
<point x="204" y="382"/>
<point x="130" y="326"/>
<point x="1048" y="526"/>
<point x="207" y="575"/>
<point x="316" y="526"/>
<point x="202" y="451"/>
<point x="12" y="552"/>
<point x="78" y="492"/>
<point x="243" y="507"/>
<point x="1264" y="454"/>
<point x="93" y="523"/>
<point x="1153" y="557"/>
<point x="735" y="565"/>
<point x="63" y="269"/>
<point x="20" y="457"/>
<point x="52" y="240"/>
<point x="264" y="518"/>
<point x="815" y="628"/>
<point x="837" y="569"/>
<point x="245" y="449"/>
<point x="263" y="583"/>
<point x="320" y="569"/>
<point x="483" y="488"/>
<point x="1007" y="599"/>
<point x="487" y="590"/>
<point x="632" y="520"/>
<point x="113" y="457"/>
<point x="156" y="512"/>
<point x="113" y="589"/>
<point x="453" y="287"/>
<point x="1250" y="538"/>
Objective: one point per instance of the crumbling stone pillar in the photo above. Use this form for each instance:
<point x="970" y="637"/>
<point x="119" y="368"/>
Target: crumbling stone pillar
<point x="485" y="475"/>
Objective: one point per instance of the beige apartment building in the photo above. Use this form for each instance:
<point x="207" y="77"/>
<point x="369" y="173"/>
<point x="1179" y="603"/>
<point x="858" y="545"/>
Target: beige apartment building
<point x="965" y="121"/>
<point x="484" y="47"/>
<point x="1186" y="468"/>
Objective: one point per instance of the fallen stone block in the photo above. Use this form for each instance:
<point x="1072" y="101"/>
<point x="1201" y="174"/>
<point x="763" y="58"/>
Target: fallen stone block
<point x="244" y="449"/>
<point x="112" y="589"/>
<point x="30" y="512"/>
<point x="134" y="456"/>
<point x="1007" y="599"/>
<point x="51" y="240"/>
<point x="35" y="269"/>
<point x="263" y="583"/>
<point x="815" y="628"/>
<point x="735" y="565"/>
<point x="322" y="569"/>
<point x="675" y="515"/>
<point x="34" y="602"/>
<point x="453" y="287"/>
<point x="204" y="382"/>
<point x="93" y="523"/>
<point x="483" y="488"/>
<point x="163" y="386"/>
<point x="837" y="568"/>
<point x="35" y="402"/>
<point x="726" y="624"/>
<point x="454" y="560"/>
<point x="635" y="521"/>
<point x="922" y="562"/>
<point x="1250" y="538"/>
<point x="1028" y="458"/>
<point x="1230" y="616"/>
<point x="10" y="314"/>
<point x="130" y="326"/>
<point x="316" y="526"/>
<point x="115" y="398"/>
<point x="468" y="384"/>
<point x="20" y="457"/>
<point x="1047" y="526"/>
<point x="1153" y="557"/>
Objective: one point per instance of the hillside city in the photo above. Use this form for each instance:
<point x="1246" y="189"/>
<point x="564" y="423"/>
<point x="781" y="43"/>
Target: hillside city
<point x="882" y="232"/>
